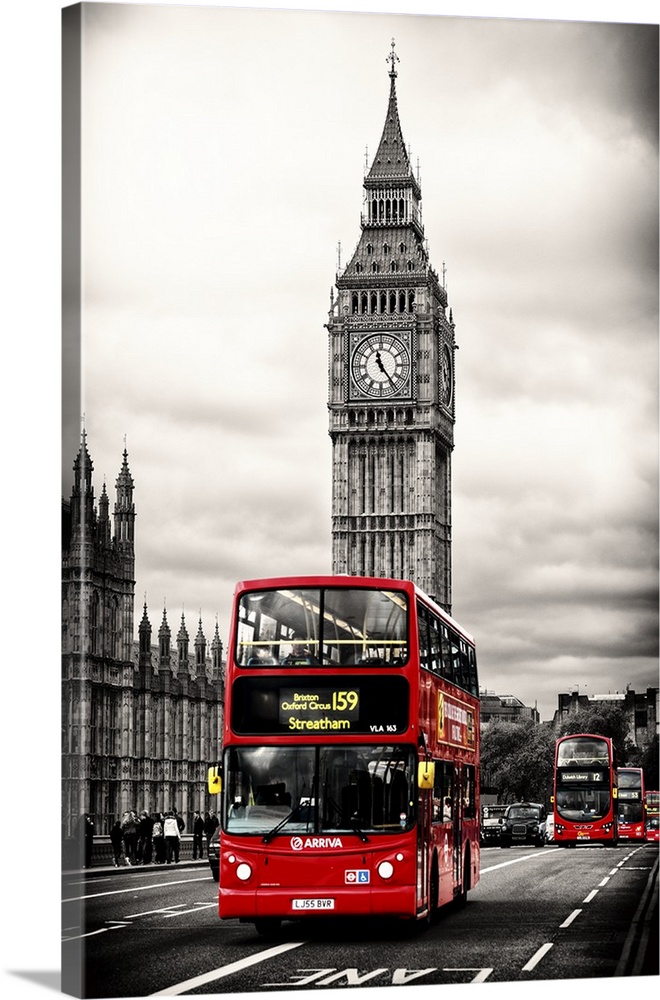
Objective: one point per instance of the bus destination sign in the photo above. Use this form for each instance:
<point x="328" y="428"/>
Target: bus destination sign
<point x="323" y="709"/>
<point x="590" y="776"/>
<point x="315" y="706"/>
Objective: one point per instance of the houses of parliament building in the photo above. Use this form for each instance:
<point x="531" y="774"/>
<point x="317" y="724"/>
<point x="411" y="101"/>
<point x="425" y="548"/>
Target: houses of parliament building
<point x="141" y="721"/>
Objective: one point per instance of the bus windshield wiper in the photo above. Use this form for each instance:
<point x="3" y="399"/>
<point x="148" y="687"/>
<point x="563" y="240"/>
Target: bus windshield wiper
<point x="354" y="827"/>
<point x="267" y="837"/>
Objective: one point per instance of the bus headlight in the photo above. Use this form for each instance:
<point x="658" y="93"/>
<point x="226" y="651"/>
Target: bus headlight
<point x="386" y="869"/>
<point x="243" y="871"/>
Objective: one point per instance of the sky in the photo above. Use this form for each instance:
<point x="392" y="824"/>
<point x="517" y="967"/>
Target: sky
<point x="223" y="154"/>
<point x="223" y="168"/>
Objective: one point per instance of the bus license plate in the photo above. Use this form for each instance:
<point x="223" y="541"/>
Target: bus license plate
<point x="313" y="904"/>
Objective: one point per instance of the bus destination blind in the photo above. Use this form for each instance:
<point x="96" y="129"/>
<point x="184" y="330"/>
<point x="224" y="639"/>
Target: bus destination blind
<point x="314" y="706"/>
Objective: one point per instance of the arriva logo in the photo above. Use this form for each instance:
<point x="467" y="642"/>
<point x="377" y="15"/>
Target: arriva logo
<point x="298" y="844"/>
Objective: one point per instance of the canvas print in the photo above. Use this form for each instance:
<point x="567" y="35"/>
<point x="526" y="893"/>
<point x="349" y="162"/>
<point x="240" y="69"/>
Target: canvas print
<point x="359" y="501"/>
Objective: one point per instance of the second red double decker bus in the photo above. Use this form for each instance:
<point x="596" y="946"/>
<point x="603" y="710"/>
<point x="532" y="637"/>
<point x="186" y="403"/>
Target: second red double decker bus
<point x="585" y="791"/>
<point x="350" y="782"/>
<point x="631" y="797"/>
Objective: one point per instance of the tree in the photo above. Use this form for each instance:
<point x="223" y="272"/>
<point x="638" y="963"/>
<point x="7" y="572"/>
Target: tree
<point x="518" y="758"/>
<point x="649" y="762"/>
<point x="602" y="720"/>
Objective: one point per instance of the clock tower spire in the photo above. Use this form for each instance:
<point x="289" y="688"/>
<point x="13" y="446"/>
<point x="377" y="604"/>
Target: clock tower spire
<point x="391" y="386"/>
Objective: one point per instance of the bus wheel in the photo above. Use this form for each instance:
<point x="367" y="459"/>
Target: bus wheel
<point x="268" y="926"/>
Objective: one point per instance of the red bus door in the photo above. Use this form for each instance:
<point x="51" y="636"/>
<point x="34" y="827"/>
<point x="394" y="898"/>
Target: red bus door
<point x="457" y="827"/>
<point x="423" y="849"/>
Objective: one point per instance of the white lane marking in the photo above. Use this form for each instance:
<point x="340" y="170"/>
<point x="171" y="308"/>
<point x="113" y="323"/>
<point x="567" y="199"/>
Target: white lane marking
<point x="195" y="909"/>
<point x="535" y="959"/>
<point x="481" y="977"/>
<point x="587" y="899"/>
<point x="101" y="930"/>
<point x="226" y="970"/>
<point x="569" y="920"/>
<point x="614" y="871"/>
<point x="603" y="882"/>
<point x="150" y="913"/>
<point x="137" y="888"/>
<point x="514" y="861"/>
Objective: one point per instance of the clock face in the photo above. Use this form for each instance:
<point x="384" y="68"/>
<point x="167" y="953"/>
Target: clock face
<point x="381" y="366"/>
<point x="445" y="378"/>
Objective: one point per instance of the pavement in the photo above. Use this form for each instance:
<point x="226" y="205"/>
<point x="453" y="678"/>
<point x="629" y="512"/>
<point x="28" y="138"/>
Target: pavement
<point x="103" y="866"/>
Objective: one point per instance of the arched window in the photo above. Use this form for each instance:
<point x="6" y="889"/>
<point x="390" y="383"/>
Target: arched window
<point x="393" y="266"/>
<point x="410" y="265"/>
<point x="354" y="303"/>
<point x="94" y="624"/>
<point x="375" y="267"/>
<point x="370" y="248"/>
<point x="402" y="247"/>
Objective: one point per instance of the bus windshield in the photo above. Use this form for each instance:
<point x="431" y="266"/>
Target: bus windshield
<point x="583" y="751"/>
<point x="324" y="626"/>
<point x="321" y="789"/>
<point x="581" y="804"/>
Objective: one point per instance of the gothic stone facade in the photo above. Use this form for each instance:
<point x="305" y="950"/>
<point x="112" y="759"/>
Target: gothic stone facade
<point x="139" y="724"/>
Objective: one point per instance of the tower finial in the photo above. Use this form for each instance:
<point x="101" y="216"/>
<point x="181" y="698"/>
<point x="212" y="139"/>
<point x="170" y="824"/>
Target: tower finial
<point x="392" y="58"/>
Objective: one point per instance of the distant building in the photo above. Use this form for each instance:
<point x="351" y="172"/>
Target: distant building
<point x="140" y="723"/>
<point x="641" y="710"/>
<point x="505" y="708"/>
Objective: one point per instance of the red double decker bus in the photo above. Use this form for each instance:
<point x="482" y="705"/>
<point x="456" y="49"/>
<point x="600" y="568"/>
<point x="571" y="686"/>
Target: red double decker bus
<point x="631" y="797"/>
<point x="652" y="815"/>
<point x="349" y="779"/>
<point x="585" y="791"/>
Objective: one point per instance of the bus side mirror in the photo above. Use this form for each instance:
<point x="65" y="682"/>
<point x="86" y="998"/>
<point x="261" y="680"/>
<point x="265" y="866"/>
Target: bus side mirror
<point x="214" y="781"/>
<point x="425" y="774"/>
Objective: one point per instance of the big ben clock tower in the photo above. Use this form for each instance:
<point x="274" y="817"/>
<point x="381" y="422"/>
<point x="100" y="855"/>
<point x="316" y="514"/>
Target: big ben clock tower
<point x="391" y="386"/>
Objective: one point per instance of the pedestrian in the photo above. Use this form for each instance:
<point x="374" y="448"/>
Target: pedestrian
<point x="129" y="831"/>
<point x="172" y="838"/>
<point x="117" y="841"/>
<point x="158" y="839"/>
<point x="88" y="832"/>
<point x="180" y="821"/>
<point x="145" y="826"/>
<point x="198" y="836"/>
<point x="209" y="830"/>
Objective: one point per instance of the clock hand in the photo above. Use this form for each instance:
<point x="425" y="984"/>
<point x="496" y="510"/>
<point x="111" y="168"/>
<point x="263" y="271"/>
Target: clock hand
<point x="379" y="362"/>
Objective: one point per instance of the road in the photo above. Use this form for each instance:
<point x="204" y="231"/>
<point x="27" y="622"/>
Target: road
<point x="536" y="914"/>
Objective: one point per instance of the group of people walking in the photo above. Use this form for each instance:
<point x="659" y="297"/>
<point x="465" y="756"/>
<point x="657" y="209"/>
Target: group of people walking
<point x="145" y="839"/>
